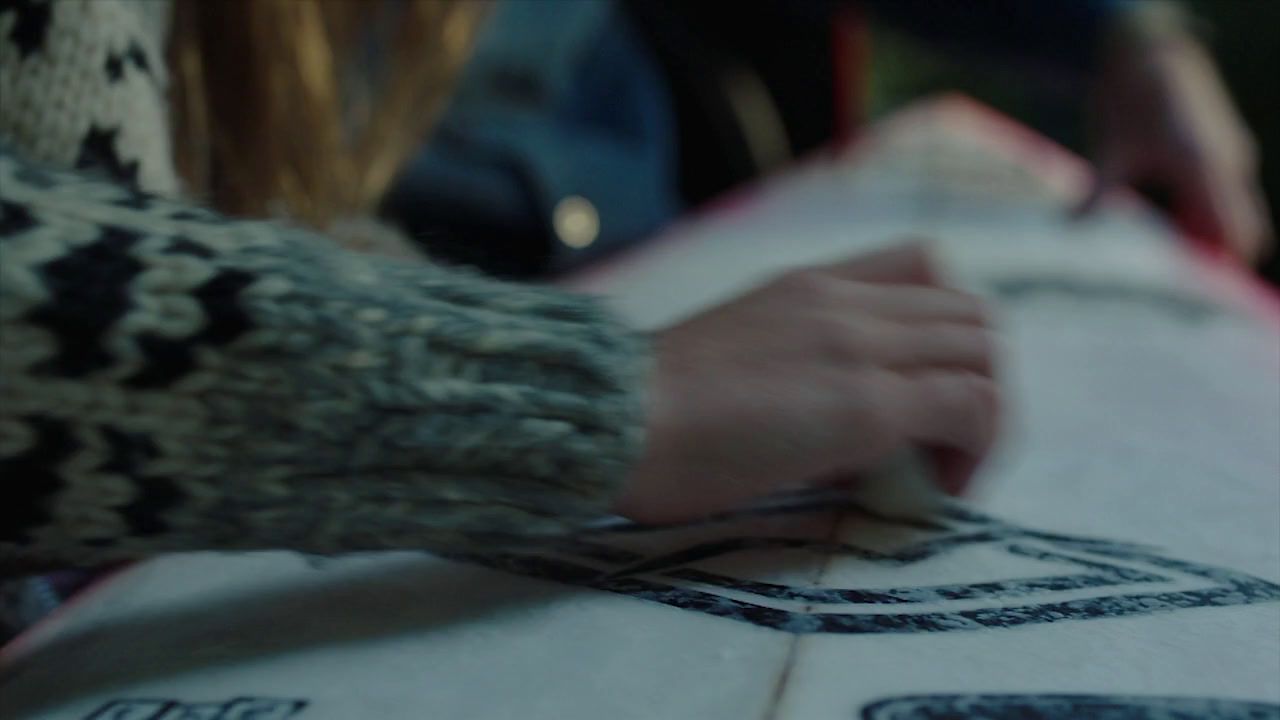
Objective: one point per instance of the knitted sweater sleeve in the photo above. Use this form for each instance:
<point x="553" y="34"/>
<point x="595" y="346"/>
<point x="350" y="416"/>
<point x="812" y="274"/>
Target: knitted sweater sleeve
<point x="173" y="380"/>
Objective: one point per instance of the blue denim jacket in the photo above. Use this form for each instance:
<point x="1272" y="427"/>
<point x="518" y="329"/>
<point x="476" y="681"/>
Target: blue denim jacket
<point x="561" y="144"/>
<point x="557" y="147"/>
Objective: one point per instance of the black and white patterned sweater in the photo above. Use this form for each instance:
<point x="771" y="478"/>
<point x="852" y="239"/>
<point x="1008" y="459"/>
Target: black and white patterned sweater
<point x="175" y="380"/>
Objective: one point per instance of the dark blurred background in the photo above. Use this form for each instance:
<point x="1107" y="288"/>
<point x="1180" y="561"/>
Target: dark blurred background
<point x="1241" y="34"/>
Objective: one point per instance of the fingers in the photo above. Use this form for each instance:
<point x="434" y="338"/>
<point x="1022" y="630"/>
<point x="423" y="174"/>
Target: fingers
<point x="915" y="348"/>
<point x="913" y="303"/>
<point x="954" y="469"/>
<point x="907" y="264"/>
<point x="909" y="328"/>
<point x="1263" y="241"/>
<point x="1241" y="219"/>
<point x="955" y="410"/>
<point x="1227" y="210"/>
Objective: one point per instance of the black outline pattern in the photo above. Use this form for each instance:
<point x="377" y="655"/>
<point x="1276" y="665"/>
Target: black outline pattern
<point x="30" y="27"/>
<point x="1181" y="306"/>
<point x="1067" y="707"/>
<point x="241" y="708"/>
<point x="1120" y="578"/>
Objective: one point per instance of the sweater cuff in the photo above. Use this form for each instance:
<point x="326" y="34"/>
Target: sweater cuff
<point x="411" y="406"/>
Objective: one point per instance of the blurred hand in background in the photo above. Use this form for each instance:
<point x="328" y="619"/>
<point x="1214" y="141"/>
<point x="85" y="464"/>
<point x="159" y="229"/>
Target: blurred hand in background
<point x="1165" y="117"/>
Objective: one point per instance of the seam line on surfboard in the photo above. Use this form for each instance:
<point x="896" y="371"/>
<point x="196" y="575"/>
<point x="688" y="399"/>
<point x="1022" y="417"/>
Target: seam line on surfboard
<point x="793" y="649"/>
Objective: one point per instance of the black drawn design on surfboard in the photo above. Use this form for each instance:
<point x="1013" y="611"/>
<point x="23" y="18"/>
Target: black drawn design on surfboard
<point x="241" y="708"/>
<point x="1067" y="707"/>
<point x="1085" y="579"/>
<point x="1178" y="305"/>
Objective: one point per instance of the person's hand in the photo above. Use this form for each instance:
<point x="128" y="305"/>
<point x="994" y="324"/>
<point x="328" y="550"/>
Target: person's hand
<point x="821" y="373"/>
<point x="1166" y="118"/>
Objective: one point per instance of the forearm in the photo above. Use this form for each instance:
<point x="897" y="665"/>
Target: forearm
<point x="176" y="381"/>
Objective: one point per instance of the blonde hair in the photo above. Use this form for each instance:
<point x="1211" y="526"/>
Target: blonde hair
<point x="308" y="107"/>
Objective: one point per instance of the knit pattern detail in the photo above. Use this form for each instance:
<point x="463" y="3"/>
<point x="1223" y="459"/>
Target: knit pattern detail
<point x="174" y="380"/>
<point x="82" y="84"/>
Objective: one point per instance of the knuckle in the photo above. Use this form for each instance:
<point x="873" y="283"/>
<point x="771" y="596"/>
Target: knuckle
<point x="878" y="400"/>
<point x="957" y="392"/>
<point x="988" y="346"/>
<point x="973" y="308"/>
<point x="799" y="280"/>
<point x="979" y="341"/>
<point x="808" y="283"/>
<point x="981" y="398"/>
<point x="964" y="307"/>
<point x="846" y="341"/>
<point x="868" y="400"/>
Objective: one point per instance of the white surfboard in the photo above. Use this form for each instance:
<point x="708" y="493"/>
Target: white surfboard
<point x="1122" y="553"/>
